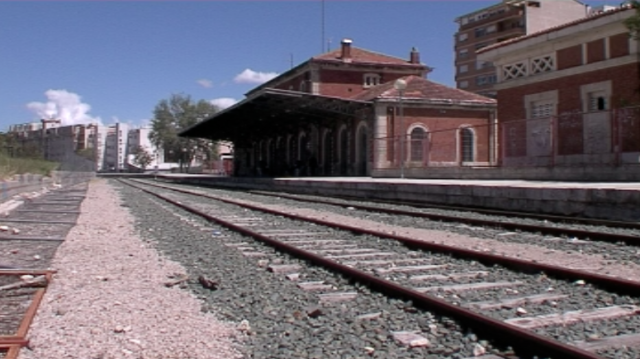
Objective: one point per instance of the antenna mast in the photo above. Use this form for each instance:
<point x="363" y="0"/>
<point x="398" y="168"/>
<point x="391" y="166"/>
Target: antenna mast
<point x="322" y="29"/>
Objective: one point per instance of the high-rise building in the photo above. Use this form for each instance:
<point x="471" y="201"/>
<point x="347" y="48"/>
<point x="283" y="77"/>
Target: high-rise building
<point x="500" y="22"/>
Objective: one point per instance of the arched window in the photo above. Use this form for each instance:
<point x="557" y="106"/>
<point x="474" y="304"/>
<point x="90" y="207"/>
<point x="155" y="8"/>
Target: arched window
<point x="418" y="136"/>
<point x="467" y="145"/>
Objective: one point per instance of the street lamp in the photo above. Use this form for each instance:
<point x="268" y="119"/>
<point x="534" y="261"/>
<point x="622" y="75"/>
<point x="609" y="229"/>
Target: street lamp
<point x="401" y="85"/>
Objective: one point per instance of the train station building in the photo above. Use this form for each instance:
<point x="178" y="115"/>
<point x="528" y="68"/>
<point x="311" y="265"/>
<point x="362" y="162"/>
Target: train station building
<point x="355" y="112"/>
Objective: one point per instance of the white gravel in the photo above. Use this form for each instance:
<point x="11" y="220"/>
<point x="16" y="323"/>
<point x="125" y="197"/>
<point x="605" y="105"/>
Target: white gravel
<point x="108" y="298"/>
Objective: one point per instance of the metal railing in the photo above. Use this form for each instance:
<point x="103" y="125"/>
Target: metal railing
<point x="570" y="139"/>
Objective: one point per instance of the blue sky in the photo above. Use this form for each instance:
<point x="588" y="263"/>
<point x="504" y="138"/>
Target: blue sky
<point x="114" y="60"/>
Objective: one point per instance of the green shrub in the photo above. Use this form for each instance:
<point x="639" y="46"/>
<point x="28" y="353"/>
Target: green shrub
<point x="10" y="166"/>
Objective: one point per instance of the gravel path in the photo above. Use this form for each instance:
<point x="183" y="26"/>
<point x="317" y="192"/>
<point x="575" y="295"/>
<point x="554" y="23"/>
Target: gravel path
<point x="108" y="298"/>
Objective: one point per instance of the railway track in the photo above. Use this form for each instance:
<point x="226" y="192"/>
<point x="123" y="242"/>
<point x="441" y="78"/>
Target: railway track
<point x="548" y="225"/>
<point x="570" y="227"/>
<point x="486" y="292"/>
<point x="29" y="237"/>
<point x="611" y="255"/>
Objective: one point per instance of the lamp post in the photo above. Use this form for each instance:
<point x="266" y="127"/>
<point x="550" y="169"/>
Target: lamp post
<point x="184" y="160"/>
<point x="401" y="85"/>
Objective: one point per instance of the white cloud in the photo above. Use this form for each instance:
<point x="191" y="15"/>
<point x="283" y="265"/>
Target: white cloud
<point x="65" y="106"/>
<point x="205" y="83"/>
<point x="223" y="102"/>
<point x="249" y="76"/>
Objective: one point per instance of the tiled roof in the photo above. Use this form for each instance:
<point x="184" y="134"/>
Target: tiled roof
<point x="555" y="28"/>
<point x="359" y="55"/>
<point x="419" y="88"/>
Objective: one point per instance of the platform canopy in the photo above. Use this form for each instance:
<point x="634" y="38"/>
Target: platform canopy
<point x="273" y="112"/>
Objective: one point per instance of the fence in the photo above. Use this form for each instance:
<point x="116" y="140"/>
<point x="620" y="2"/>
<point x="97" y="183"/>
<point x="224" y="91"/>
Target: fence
<point x="469" y="146"/>
<point x="571" y="139"/>
<point x="609" y="138"/>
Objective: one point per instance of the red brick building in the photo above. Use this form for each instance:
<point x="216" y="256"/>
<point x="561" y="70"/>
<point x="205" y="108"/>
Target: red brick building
<point x="564" y="94"/>
<point x="339" y="114"/>
<point x="499" y="22"/>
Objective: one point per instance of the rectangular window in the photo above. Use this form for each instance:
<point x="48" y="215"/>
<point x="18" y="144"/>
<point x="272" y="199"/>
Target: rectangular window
<point x="463" y="53"/>
<point x="480" y="32"/>
<point x="596" y="96"/>
<point x="463" y="69"/>
<point x="597" y="101"/>
<point x="371" y="80"/>
<point x="463" y="37"/>
<point x="541" y="109"/>
<point x="463" y="84"/>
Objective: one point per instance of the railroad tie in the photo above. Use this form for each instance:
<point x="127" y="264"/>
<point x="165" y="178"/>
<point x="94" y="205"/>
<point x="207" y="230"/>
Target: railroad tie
<point x="284" y="268"/>
<point x="337" y="297"/>
<point x="451" y="276"/>
<point x="468" y="286"/>
<point x="379" y="262"/>
<point x="363" y="255"/>
<point x="515" y="302"/>
<point x="592" y="345"/>
<point x="406" y="269"/>
<point x="314" y="286"/>
<point x="577" y="316"/>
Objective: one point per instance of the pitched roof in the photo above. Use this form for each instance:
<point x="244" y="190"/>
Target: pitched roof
<point x="419" y="88"/>
<point x="363" y="56"/>
<point x="556" y="28"/>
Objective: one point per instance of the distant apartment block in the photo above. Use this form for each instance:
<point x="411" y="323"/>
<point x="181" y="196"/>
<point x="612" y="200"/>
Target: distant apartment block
<point x="110" y="147"/>
<point x="505" y="20"/>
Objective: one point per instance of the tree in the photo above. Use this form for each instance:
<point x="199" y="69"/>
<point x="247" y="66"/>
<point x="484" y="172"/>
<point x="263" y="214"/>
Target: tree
<point x="141" y="157"/>
<point x="88" y="153"/>
<point x="633" y="23"/>
<point x="173" y="115"/>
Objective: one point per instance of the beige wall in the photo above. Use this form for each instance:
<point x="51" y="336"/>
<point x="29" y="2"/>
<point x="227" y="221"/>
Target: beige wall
<point x="553" y="13"/>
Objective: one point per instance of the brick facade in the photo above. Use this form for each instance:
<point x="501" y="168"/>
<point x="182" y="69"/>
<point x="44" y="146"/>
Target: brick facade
<point x="575" y="111"/>
<point x="444" y="126"/>
<point x="569" y="57"/>
<point x="625" y="83"/>
<point x="595" y="51"/>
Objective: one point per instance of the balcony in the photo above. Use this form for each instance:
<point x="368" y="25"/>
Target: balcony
<point x="511" y="12"/>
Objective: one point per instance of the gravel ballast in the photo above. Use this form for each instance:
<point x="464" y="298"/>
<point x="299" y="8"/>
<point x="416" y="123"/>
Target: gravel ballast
<point x="109" y="299"/>
<point x="610" y="259"/>
<point x="581" y="296"/>
<point x="284" y="320"/>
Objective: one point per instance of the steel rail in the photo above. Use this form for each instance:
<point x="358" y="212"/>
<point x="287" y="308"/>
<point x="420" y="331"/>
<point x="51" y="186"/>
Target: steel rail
<point x="12" y="350"/>
<point x="540" y="216"/>
<point x="516" y="337"/>
<point x="426" y="204"/>
<point x="578" y="233"/>
<point x="619" y="285"/>
<point x="18" y="340"/>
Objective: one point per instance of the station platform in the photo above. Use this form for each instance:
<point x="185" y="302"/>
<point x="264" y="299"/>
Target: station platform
<point x="604" y="200"/>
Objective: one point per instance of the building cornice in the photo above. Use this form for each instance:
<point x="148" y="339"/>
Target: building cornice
<point x="572" y="71"/>
<point x="583" y="26"/>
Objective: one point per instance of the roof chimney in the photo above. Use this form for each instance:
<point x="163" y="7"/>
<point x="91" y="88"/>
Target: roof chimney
<point x="346" y="50"/>
<point x="414" y="57"/>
